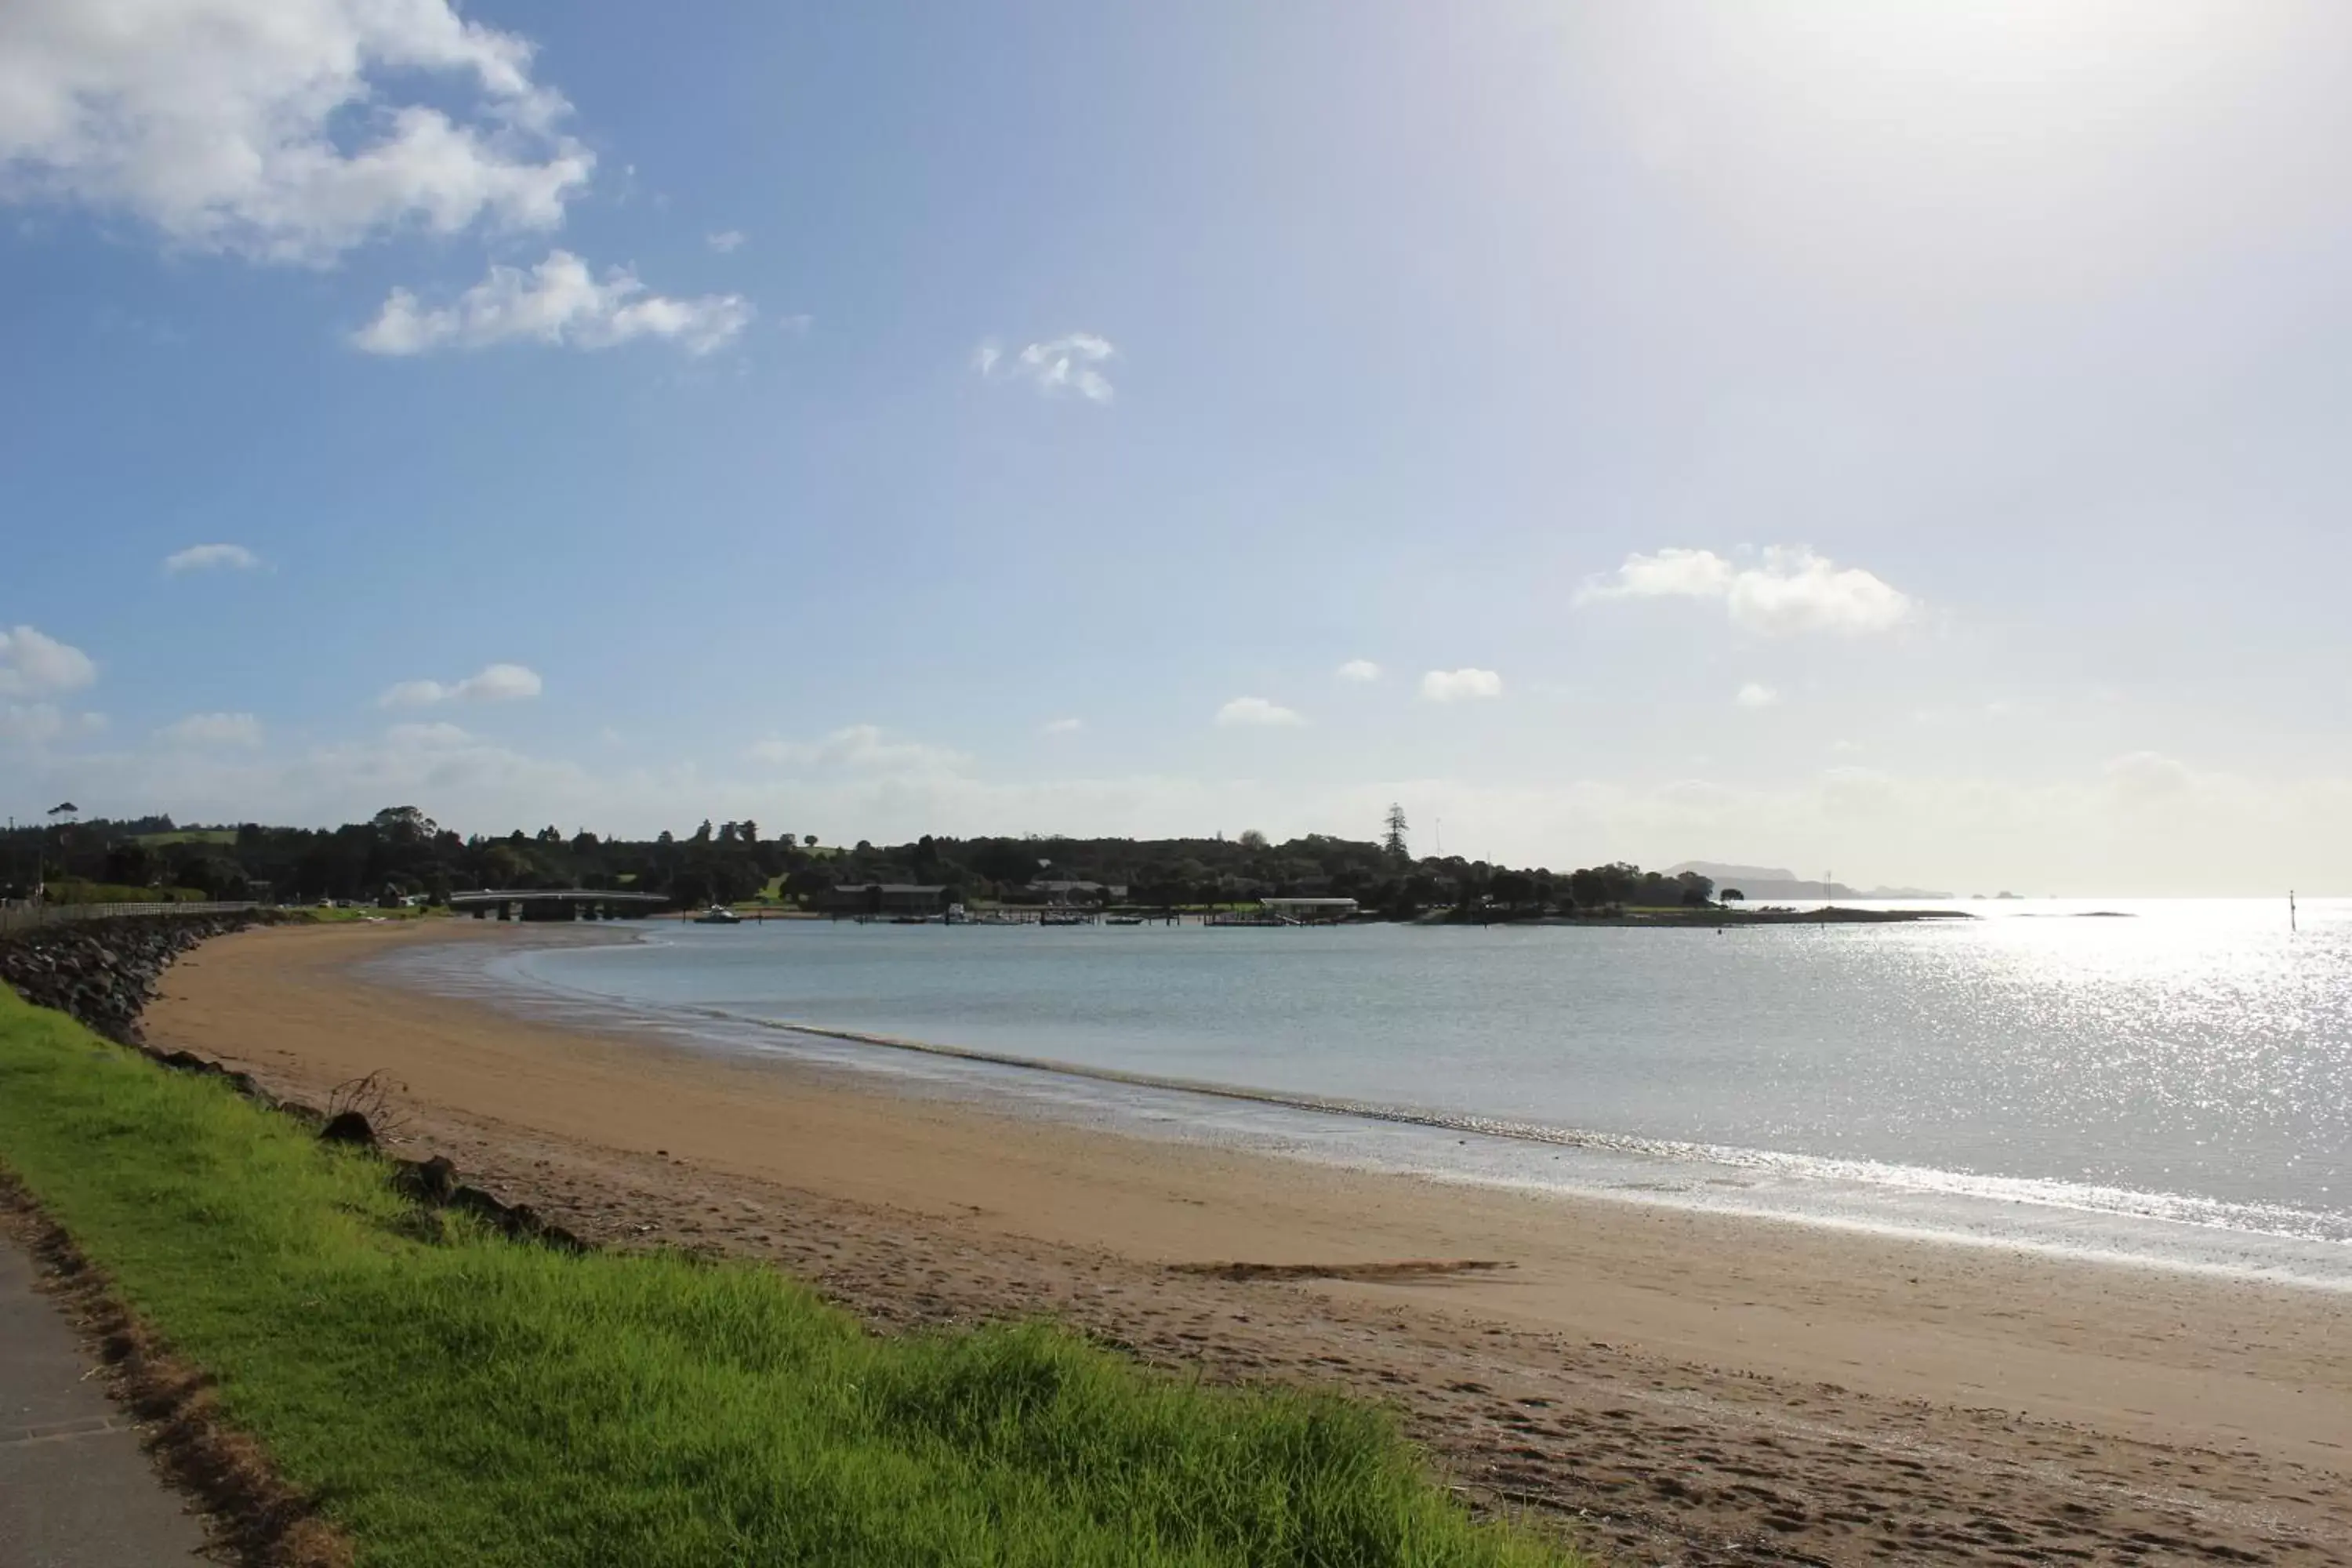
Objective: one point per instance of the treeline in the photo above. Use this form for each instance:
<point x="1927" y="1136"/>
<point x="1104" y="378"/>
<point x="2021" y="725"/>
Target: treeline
<point x="401" y="852"/>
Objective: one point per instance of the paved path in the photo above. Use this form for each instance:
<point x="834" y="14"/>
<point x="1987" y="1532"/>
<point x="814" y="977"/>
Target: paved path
<point x="75" y="1491"/>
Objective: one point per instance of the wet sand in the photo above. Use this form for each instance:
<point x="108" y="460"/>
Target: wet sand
<point x="1674" y="1387"/>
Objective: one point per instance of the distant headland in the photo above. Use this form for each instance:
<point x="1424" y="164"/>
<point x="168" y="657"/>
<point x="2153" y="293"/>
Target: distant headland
<point x="402" y="857"/>
<point x="1776" y="882"/>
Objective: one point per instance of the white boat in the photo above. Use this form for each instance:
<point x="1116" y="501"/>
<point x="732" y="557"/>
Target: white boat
<point x="719" y="915"/>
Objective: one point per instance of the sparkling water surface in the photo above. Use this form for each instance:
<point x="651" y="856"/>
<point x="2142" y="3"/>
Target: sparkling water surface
<point x="2167" y="1079"/>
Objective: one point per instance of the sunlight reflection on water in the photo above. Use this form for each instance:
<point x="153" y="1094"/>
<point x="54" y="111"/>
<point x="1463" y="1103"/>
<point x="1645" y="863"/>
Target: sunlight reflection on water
<point x="2193" y="1061"/>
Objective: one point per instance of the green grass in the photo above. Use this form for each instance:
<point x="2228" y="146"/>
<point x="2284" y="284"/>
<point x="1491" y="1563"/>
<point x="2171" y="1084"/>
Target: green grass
<point x="187" y="836"/>
<point x="473" y="1401"/>
<point x="363" y="912"/>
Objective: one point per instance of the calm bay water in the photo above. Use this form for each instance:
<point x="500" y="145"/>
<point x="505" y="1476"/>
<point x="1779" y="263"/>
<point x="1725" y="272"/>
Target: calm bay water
<point x="2175" y="1085"/>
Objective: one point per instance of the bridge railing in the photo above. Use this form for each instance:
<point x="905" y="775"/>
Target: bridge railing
<point x="17" y="916"/>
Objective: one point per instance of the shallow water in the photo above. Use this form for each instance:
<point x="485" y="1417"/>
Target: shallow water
<point x="2175" y="1085"/>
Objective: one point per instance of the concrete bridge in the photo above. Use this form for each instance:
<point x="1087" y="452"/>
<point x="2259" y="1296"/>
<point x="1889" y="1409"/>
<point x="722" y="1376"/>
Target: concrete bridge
<point x="555" y="903"/>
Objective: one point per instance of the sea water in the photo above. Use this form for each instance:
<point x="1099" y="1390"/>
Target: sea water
<point x="2165" y="1081"/>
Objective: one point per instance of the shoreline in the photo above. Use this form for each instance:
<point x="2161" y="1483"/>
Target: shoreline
<point x="1683" y="1379"/>
<point x="2081" y="1220"/>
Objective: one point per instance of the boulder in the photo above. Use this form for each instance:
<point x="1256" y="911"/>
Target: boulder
<point x="432" y="1181"/>
<point x="348" y="1127"/>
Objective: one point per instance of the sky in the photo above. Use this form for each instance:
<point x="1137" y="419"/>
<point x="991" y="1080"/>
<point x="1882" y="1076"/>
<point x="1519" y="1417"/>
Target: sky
<point x="1872" y="436"/>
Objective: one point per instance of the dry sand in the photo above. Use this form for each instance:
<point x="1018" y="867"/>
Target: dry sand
<point x="1677" y="1387"/>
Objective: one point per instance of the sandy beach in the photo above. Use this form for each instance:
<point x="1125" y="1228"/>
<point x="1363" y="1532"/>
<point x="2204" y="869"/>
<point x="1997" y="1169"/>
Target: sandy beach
<point x="1677" y="1387"/>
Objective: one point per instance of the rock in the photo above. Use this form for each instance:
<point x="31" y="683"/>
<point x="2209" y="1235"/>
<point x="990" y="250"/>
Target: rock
<point x="426" y="1181"/>
<point x="348" y="1127"/>
<point x="479" y="1204"/>
<point x="517" y="1222"/>
<point x="104" y="971"/>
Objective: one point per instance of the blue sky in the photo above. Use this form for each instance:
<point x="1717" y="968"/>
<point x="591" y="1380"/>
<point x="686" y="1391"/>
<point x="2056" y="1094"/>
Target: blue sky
<point x="1891" y="437"/>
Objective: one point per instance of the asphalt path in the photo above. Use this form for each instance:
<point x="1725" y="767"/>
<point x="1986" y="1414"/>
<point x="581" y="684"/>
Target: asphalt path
<point x="76" y="1490"/>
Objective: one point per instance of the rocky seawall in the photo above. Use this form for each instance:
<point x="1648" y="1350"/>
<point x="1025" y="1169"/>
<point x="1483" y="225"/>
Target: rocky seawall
<point x="103" y="972"/>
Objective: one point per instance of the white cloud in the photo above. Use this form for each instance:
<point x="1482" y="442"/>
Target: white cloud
<point x="1460" y="684"/>
<point x="1670" y="574"/>
<point x="560" y="303"/>
<point x="213" y="729"/>
<point x="493" y="683"/>
<point x="1756" y="694"/>
<point x="1256" y="711"/>
<point x="2143" y="778"/>
<point x="437" y="733"/>
<point x="206" y="557"/>
<point x="725" y="240"/>
<point x="275" y="129"/>
<point x="413" y="694"/>
<point x="1062" y="726"/>
<point x="1790" y="590"/>
<point x="30" y="723"/>
<point x="862" y="749"/>
<point x="1360" y="669"/>
<point x="1064" y="364"/>
<point x="34" y="664"/>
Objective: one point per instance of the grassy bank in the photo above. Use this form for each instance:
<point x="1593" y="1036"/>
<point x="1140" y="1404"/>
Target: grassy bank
<point x="315" y="915"/>
<point x="472" y="1401"/>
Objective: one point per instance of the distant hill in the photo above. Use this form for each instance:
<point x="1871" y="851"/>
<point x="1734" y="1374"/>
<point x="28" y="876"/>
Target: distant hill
<point x="1763" y="882"/>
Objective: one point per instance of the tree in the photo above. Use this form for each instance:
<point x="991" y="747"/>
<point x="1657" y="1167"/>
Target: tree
<point x="132" y="864"/>
<point x="216" y="875"/>
<point x="1004" y="860"/>
<point x="403" y="825"/>
<point x="1252" y="838"/>
<point x="810" y="841"/>
<point x="1393" y="842"/>
<point x="747" y="832"/>
<point x="1734" y="896"/>
<point x="506" y="866"/>
<point x="1597" y="887"/>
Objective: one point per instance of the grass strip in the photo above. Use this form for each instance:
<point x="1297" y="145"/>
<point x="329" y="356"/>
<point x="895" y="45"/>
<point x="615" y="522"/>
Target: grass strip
<point x="465" y="1400"/>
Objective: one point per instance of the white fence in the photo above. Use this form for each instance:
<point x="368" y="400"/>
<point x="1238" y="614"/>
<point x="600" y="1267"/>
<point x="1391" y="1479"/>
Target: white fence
<point x="17" y="916"/>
